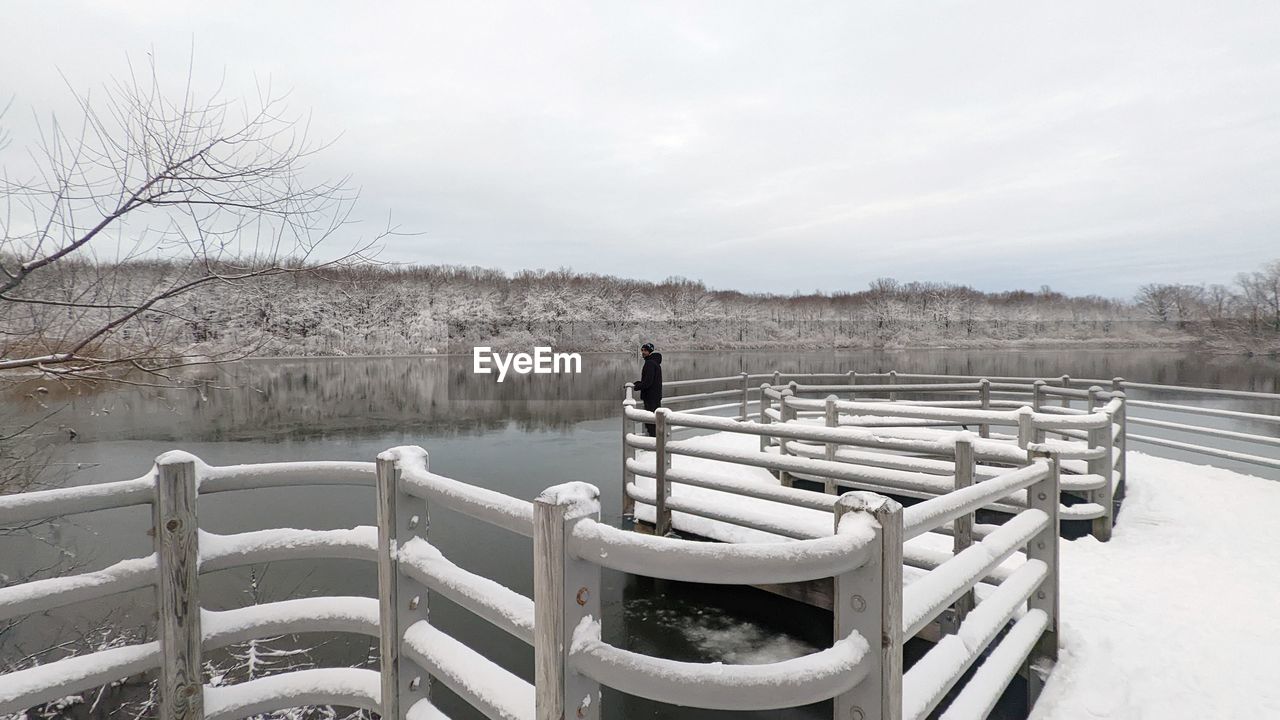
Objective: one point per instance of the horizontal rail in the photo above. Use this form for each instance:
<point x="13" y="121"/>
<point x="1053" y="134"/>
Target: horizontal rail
<point x="728" y="564"/>
<point x="347" y="687"/>
<point x="24" y="689"/>
<point x="224" y="478"/>
<point x="219" y="552"/>
<point x="929" y="680"/>
<point x="40" y="595"/>
<point x="44" y="504"/>
<point x="715" y="686"/>
<point x="703" y="381"/>
<point x="1190" y="447"/>
<point x="745" y="518"/>
<point x="1274" y="397"/>
<point x="1199" y="410"/>
<point x="928" y="596"/>
<point x="774" y="493"/>
<point x="923" y="517"/>
<point x="485" y="685"/>
<point x="500" y="605"/>
<point x="701" y="396"/>
<point x="1212" y="431"/>
<point x="479" y="503"/>
<point x="356" y="615"/>
<point x="981" y="693"/>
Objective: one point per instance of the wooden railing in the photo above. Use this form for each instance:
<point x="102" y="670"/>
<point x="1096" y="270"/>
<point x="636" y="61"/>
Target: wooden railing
<point x="561" y="622"/>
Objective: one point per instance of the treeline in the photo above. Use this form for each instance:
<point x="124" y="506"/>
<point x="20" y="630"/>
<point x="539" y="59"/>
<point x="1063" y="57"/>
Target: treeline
<point x="386" y="310"/>
<point x="1240" y="318"/>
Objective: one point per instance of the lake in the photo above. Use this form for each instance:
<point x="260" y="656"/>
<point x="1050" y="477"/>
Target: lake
<point x="518" y="437"/>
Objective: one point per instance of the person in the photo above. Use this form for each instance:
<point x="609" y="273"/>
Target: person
<point x="650" y="383"/>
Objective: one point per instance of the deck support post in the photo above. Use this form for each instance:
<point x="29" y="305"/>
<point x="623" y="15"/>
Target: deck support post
<point x="962" y="529"/>
<point x="1044" y="547"/>
<point x="402" y="601"/>
<point x="661" y="461"/>
<point x="628" y="455"/>
<point x="176" y="539"/>
<point x="746" y="395"/>
<point x="566" y="590"/>
<point x="984" y="396"/>
<point x="1066" y="384"/>
<point x="832" y="418"/>
<point x="869" y="600"/>
<point x="853" y="384"/>
<point x="893" y="380"/>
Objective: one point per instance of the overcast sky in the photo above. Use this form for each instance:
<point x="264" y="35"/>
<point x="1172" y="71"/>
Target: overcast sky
<point x="1091" y="146"/>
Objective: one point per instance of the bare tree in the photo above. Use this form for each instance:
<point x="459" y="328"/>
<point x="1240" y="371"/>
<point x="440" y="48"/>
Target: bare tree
<point x="196" y="191"/>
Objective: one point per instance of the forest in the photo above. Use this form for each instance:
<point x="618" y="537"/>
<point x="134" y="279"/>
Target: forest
<point x="385" y="309"/>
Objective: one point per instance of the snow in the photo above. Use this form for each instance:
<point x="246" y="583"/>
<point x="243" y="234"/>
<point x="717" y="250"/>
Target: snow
<point x="26" y="688"/>
<point x="493" y="601"/>
<point x="222" y="551"/>
<point x="322" y="686"/>
<point x="39" y="595"/>
<point x="1178" y="616"/>
<point x="314" y="614"/>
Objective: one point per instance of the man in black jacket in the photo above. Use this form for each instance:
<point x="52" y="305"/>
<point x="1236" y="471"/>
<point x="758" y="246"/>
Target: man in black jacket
<point x="650" y="383"/>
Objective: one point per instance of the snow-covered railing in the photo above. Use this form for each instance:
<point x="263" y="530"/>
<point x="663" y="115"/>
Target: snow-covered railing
<point x="1016" y="562"/>
<point x="563" y="620"/>
<point x="185" y="630"/>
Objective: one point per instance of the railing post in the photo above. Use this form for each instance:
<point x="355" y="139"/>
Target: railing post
<point x="962" y="529"/>
<point x="176" y="530"/>
<point x="832" y="418"/>
<point x="984" y="395"/>
<point x="746" y="394"/>
<point x="786" y="413"/>
<point x="893" y="380"/>
<point x="1121" y="419"/>
<point x="566" y="589"/>
<point x="777" y="378"/>
<point x="1026" y="427"/>
<point x="1101" y="438"/>
<point x="661" y="461"/>
<point x="1066" y="383"/>
<point x="1044" y="496"/>
<point x="853" y="384"/>
<point x="766" y="404"/>
<point x="1037" y="402"/>
<point x="402" y="601"/>
<point x="628" y="454"/>
<point x="868" y="599"/>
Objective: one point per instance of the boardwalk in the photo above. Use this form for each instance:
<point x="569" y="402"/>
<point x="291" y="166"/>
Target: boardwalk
<point x="1168" y="613"/>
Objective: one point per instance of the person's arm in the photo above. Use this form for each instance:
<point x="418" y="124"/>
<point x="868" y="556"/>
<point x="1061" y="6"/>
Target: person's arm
<point x="646" y="377"/>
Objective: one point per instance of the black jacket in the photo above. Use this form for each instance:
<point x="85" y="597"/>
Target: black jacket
<point x="650" y="383"/>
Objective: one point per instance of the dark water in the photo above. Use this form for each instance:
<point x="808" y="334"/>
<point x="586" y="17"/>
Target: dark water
<point x="519" y="437"/>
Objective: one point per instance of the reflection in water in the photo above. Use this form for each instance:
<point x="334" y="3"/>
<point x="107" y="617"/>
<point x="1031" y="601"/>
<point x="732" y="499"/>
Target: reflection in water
<point x="518" y="437"/>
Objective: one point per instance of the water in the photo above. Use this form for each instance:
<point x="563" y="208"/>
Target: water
<point x="518" y="437"/>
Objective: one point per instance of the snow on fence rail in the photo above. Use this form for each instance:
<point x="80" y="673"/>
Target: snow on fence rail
<point x="561" y="622"/>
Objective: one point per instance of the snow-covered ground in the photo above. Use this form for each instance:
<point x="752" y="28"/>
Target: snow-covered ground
<point x="1178" y="616"/>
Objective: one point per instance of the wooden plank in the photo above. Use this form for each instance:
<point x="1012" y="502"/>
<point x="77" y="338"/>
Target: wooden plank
<point x="181" y="682"/>
<point x="962" y="528"/>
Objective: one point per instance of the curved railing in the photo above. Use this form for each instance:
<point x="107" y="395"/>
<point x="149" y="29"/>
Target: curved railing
<point x="1039" y="451"/>
<point x="182" y="553"/>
